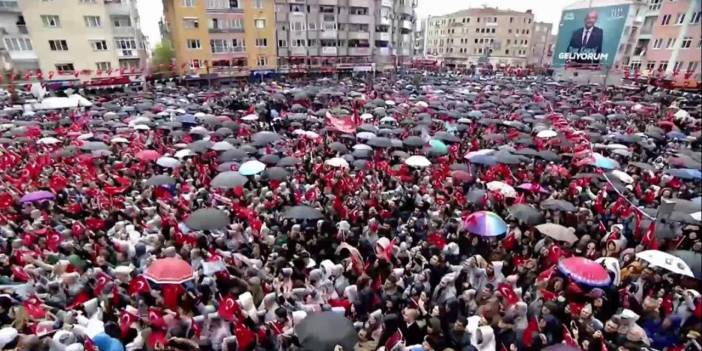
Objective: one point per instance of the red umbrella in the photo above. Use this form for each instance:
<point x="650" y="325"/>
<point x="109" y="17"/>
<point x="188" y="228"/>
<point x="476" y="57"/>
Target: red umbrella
<point x="585" y="271"/>
<point x="462" y="176"/>
<point x="148" y="155"/>
<point x="169" y="271"/>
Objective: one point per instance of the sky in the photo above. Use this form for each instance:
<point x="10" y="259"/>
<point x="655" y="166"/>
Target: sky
<point x="151" y="11"/>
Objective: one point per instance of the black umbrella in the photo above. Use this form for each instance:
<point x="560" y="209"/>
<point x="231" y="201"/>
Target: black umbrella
<point x="560" y="205"/>
<point x="276" y="173"/>
<point x="302" y="212"/>
<point x="693" y="260"/>
<point x="413" y="141"/>
<point x="509" y="159"/>
<point x="228" y="180"/>
<point x="548" y="155"/>
<point x="361" y="153"/>
<point x="207" y="219"/>
<point x="447" y="137"/>
<point x="477" y="195"/>
<point x="232" y="155"/>
<point x="325" y="331"/>
<point x="379" y="142"/>
<point x="270" y="159"/>
<point x="161" y="179"/>
<point x="288" y="161"/>
<point x="264" y="138"/>
<point x="641" y="165"/>
<point x="338" y="147"/>
<point x="526" y="214"/>
<point x="526" y="152"/>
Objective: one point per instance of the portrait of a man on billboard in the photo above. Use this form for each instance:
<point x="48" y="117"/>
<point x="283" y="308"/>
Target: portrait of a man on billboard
<point x="587" y="41"/>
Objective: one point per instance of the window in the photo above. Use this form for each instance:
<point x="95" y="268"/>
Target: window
<point x="104" y="66"/>
<point x="686" y="42"/>
<point x="58" y="45"/>
<point x="658" y="43"/>
<point x="92" y="21"/>
<point x="680" y="18"/>
<point x="663" y="65"/>
<point x="9" y="4"/>
<point x="51" y="21"/>
<point x="666" y="20"/>
<point x="692" y="66"/>
<point x="193" y="44"/>
<point x="358" y="11"/>
<point x="297" y="26"/>
<point x="650" y="65"/>
<point x="194" y="64"/>
<point x="219" y="46"/>
<point x="188" y="3"/>
<point x="98" y="45"/>
<point x="65" y="67"/>
<point x="311" y="26"/>
<point x="18" y="44"/>
<point x="282" y="43"/>
<point x="121" y="21"/>
<point x="696" y="17"/>
<point x="191" y="22"/>
<point x="261" y="61"/>
<point x="125" y="43"/>
<point x="677" y="66"/>
<point x="298" y="43"/>
<point x="261" y="42"/>
<point x="88" y="1"/>
<point x="654" y="5"/>
<point x="260" y="23"/>
<point x="258" y="4"/>
<point x="670" y="43"/>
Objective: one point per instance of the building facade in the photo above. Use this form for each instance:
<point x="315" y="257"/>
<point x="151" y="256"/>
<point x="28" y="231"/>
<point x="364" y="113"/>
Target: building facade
<point x="16" y="48"/>
<point x="669" y="41"/>
<point x="542" y="42"/>
<point x="86" y="41"/>
<point x="420" y="38"/>
<point x="221" y="37"/>
<point x="482" y="35"/>
<point x="344" y="34"/>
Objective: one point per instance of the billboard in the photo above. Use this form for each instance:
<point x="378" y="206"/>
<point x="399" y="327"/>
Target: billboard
<point x="590" y="35"/>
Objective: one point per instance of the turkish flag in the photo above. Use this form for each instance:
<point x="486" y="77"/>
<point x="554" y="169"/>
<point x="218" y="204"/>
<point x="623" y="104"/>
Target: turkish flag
<point x="53" y="241"/>
<point x="649" y="240"/>
<point x="5" y="200"/>
<point x="156" y="318"/>
<point x="532" y="327"/>
<point x="101" y="280"/>
<point x="171" y="295"/>
<point x="125" y="320"/>
<point x="244" y="336"/>
<point x="508" y="294"/>
<point x="138" y="285"/>
<point x="229" y="308"/>
<point x="33" y="307"/>
<point x="156" y="337"/>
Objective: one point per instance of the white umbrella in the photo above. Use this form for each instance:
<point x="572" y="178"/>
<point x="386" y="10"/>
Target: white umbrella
<point x="417" y="161"/>
<point x="199" y="130"/>
<point x="337" y="162"/>
<point x="311" y="135"/>
<point x="365" y="135"/>
<point x="168" y="162"/>
<point x="479" y="152"/>
<point x="666" y="261"/>
<point x="421" y="104"/>
<point x="139" y="120"/>
<point x="366" y="116"/>
<point x="388" y="120"/>
<point x="184" y="153"/>
<point x="48" y="141"/>
<point x="85" y="136"/>
<point x="362" y="147"/>
<point x="616" y="147"/>
<point x="299" y="132"/>
<point x="251" y="167"/>
<point x="141" y="127"/>
<point x="390" y="102"/>
<point x="622" y="176"/>
<point x="545" y="134"/>
<point x="504" y="188"/>
<point x="250" y="118"/>
<point x="222" y="146"/>
<point x="119" y="140"/>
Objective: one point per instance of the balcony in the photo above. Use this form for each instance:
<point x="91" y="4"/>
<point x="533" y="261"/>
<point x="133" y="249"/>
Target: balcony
<point x="405" y="9"/>
<point x="226" y="30"/>
<point x="225" y="9"/>
<point x="328" y="51"/>
<point x="328" y="34"/>
<point x="359" y="51"/>
<point x="127" y="53"/>
<point x="406" y="24"/>
<point x="382" y="36"/>
<point x="360" y="3"/>
<point x="298" y="51"/>
<point x="9" y="7"/>
<point x="383" y="51"/>
<point x="117" y="7"/>
<point x="22" y="29"/>
<point x="231" y="50"/>
<point x="404" y="51"/>
<point x="359" y="35"/>
<point x="329" y="2"/>
<point x="123" y="30"/>
<point x="360" y="19"/>
<point x="384" y="21"/>
<point x="386" y="3"/>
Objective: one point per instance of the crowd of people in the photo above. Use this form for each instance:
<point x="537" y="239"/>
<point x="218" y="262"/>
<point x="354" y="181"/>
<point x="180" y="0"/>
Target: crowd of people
<point x="419" y="212"/>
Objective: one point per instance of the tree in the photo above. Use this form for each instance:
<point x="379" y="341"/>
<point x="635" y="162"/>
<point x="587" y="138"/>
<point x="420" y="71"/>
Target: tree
<point x="162" y="57"/>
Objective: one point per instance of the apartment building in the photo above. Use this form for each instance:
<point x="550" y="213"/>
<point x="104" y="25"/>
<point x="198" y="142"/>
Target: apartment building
<point x="420" y="39"/>
<point x="329" y="35"/>
<point x="482" y="35"/>
<point x="83" y="39"/>
<point x="670" y="40"/>
<point x="223" y="38"/>
<point x="16" y="49"/>
<point x="542" y="42"/>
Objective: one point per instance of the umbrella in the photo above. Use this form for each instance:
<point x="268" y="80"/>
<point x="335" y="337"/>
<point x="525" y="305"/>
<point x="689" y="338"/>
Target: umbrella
<point x="561" y="347"/>
<point x="533" y="187"/>
<point x="379" y="142"/>
<point x="461" y="176"/>
<point x="337" y="162"/>
<point x="545" y="134"/>
<point x="168" y="162"/>
<point x="585" y="271"/>
<point x="666" y="261"/>
<point x="417" y="161"/>
<point x="526" y="214"/>
<point x="222" y="146"/>
<point x="486" y="160"/>
<point x="559" y="205"/>
<point x="48" y="141"/>
<point x="276" y="173"/>
<point x="438" y="147"/>
<point x="622" y="176"/>
<point x="169" y="270"/>
<point x="641" y="165"/>
<point x="603" y="162"/>
<point x="338" y="147"/>
<point x="228" y="180"/>
<point x="503" y="188"/>
<point x="94" y="145"/>
<point x="264" y="138"/>
<point x="161" y="179"/>
<point x="413" y="141"/>
<point x="207" y="219"/>
<point x="148" y="155"/>
<point x="326" y="331"/>
<point x="232" y="155"/>
<point x="477" y="195"/>
<point x="692" y="259"/>
<point x="34" y="196"/>
<point x="485" y="223"/>
<point x="302" y="212"/>
<point x="270" y="159"/>
<point x="685" y="173"/>
<point x="558" y="232"/>
<point x="251" y="167"/>
<point x="287" y="161"/>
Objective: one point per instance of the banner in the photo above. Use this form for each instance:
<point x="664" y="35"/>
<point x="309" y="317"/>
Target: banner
<point x="343" y="125"/>
<point x="589" y="36"/>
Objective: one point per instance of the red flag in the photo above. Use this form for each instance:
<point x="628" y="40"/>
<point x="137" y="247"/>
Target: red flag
<point x="88" y="345"/>
<point x="53" y="241"/>
<point x="101" y="280"/>
<point x="139" y="285"/>
<point x="343" y="125"/>
<point x="532" y="327"/>
<point x="508" y="294"/>
<point x="33" y="307"/>
<point x="156" y="318"/>
<point x="171" y="295"/>
<point x="568" y="338"/>
<point x="649" y="240"/>
<point x="125" y="320"/>
<point x="228" y="308"/>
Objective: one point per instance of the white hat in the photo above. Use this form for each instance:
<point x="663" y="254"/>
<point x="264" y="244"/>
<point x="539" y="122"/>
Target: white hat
<point x="351" y="292"/>
<point x="7" y="335"/>
<point x="298" y="316"/>
<point x="629" y="314"/>
<point x="326" y="266"/>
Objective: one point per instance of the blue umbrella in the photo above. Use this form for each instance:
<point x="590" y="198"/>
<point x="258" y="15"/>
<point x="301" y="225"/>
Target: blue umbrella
<point x="486" y="160"/>
<point x="604" y="162"/>
<point x="685" y="173"/>
<point x="105" y="342"/>
<point x="252" y="167"/>
<point x="676" y="135"/>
